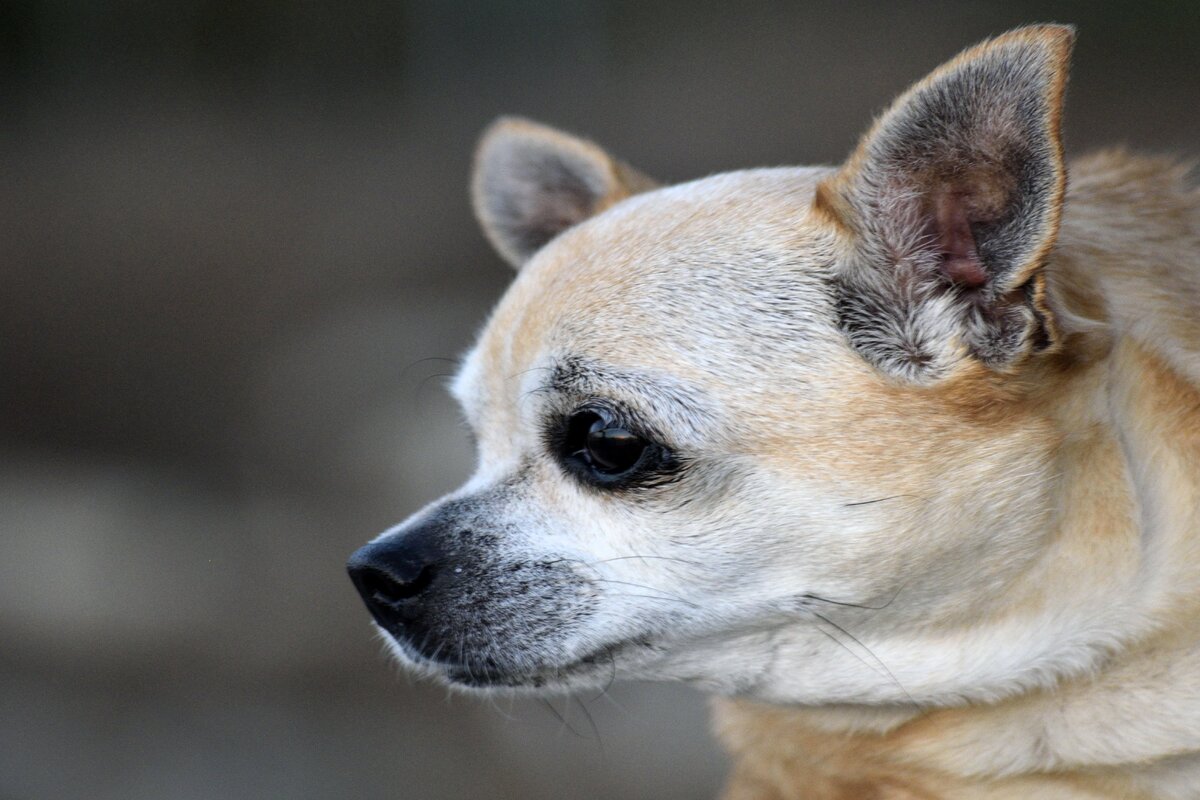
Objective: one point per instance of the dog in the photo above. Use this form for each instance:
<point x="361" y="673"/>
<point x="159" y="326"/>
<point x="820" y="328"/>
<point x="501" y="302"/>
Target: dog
<point x="900" y="460"/>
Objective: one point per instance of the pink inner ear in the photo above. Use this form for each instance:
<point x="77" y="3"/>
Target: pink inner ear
<point x="960" y="259"/>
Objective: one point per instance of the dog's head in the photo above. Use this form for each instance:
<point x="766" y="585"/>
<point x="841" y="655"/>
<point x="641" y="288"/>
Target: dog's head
<point x="772" y="431"/>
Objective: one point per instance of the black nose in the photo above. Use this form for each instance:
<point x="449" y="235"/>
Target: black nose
<point x="392" y="574"/>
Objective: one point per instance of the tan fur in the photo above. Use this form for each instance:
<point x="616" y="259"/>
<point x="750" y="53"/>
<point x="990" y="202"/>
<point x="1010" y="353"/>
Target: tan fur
<point x="1145" y="344"/>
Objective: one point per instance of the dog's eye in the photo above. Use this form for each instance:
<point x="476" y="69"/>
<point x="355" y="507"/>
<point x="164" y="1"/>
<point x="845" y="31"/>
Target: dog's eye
<point x="613" y="449"/>
<point x="607" y="449"/>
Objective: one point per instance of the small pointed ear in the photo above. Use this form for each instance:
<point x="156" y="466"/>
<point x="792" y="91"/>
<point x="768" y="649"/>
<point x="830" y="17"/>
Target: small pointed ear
<point x="532" y="182"/>
<point x="957" y="189"/>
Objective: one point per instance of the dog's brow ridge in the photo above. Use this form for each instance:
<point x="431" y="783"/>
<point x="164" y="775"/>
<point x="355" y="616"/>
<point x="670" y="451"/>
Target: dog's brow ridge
<point x="580" y="376"/>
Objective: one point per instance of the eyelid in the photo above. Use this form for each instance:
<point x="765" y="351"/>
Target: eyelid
<point x="617" y="415"/>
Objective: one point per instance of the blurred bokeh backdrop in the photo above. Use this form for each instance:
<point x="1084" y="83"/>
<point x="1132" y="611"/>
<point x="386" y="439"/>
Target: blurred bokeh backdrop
<point x="238" y="260"/>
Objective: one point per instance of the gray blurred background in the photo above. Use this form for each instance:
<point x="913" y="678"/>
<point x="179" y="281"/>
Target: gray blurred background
<point x="236" y="245"/>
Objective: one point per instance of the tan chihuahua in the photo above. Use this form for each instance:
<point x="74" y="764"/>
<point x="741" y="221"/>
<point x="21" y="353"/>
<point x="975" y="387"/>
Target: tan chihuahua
<point x="900" y="459"/>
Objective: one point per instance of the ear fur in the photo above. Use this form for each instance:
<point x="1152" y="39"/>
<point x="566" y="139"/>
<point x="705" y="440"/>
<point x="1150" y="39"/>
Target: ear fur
<point x="953" y="199"/>
<point x="532" y="182"/>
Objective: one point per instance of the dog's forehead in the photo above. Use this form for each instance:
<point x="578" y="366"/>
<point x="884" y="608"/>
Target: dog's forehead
<point x="715" y="297"/>
<point x="673" y="279"/>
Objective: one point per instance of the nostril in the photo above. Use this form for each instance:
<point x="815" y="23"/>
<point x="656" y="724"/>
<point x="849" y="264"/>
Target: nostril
<point x="384" y="591"/>
<point x="379" y="587"/>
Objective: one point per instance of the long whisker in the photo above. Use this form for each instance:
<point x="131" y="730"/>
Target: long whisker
<point x="592" y="724"/>
<point x="811" y="596"/>
<point x="881" y="499"/>
<point x="545" y="701"/>
<point x="663" y="595"/>
<point x="612" y="675"/>
<point x="868" y="650"/>
<point x="842" y="645"/>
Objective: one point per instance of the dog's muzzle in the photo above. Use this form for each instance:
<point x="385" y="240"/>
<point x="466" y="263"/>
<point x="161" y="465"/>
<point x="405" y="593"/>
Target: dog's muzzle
<point x="451" y="591"/>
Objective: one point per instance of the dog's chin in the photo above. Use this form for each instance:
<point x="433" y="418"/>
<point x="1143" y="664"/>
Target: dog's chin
<point x="544" y="680"/>
<point x="597" y="668"/>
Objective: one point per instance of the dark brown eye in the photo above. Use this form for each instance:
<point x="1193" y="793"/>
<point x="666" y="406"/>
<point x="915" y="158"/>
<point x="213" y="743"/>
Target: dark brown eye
<point x="613" y="450"/>
<point x="603" y="447"/>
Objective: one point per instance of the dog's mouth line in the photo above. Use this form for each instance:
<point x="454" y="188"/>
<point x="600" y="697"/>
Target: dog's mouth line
<point x="544" y="676"/>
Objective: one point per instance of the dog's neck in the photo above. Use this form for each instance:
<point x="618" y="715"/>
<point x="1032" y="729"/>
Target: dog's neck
<point x="1125" y="727"/>
<point x="1122" y="722"/>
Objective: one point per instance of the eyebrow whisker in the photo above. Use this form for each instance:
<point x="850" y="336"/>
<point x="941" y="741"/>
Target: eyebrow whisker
<point x="524" y="372"/>
<point x="426" y="360"/>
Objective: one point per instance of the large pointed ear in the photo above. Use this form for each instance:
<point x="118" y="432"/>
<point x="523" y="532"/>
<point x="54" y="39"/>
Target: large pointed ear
<point x="532" y="182"/>
<point x="953" y="199"/>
